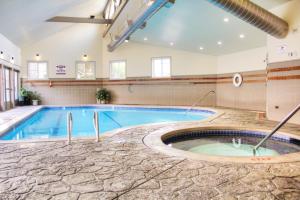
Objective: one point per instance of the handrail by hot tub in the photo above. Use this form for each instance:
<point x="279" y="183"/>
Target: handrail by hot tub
<point x="200" y="100"/>
<point x="283" y="122"/>
<point x="69" y="126"/>
<point x="96" y="125"/>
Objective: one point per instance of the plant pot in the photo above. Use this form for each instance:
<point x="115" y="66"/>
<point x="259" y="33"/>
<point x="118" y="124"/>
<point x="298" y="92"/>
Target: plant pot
<point x="35" y="102"/>
<point x="101" y="101"/>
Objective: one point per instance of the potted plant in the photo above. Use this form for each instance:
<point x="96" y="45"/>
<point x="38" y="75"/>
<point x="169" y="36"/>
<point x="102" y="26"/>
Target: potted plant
<point x="103" y="96"/>
<point x="34" y="97"/>
<point x="23" y="96"/>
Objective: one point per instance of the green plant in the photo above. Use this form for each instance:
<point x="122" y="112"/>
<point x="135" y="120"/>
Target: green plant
<point x="103" y="95"/>
<point x="34" y="95"/>
<point x="23" y="92"/>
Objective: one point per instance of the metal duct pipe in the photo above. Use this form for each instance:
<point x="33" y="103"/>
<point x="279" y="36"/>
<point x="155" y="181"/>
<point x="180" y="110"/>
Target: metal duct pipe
<point x="255" y="15"/>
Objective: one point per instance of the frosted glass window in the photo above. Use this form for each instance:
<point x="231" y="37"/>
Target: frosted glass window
<point x="86" y="70"/>
<point x="117" y="70"/>
<point x="16" y="85"/>
<point x="161" y="67"/>
<point x="7" y="84"/>
<point x="37" y="70"/>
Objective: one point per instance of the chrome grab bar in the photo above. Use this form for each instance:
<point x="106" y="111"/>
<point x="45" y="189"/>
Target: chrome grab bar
<point x="283" y="122"/>
<point x="199" y="100"/>
<point x="69" y="126"/>
<point x="96" y="126"/>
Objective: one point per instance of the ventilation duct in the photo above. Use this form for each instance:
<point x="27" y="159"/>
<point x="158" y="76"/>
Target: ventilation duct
<point x="255" y="15"/>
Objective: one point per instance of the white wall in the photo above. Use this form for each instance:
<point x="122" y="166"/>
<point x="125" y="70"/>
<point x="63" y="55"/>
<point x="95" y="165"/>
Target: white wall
<point x="65" y="48"/>
<point x="138" y="57"/>
<point x="9" y="50"/>
<point x="250" y="60"/>
<point x="291" y="13"/>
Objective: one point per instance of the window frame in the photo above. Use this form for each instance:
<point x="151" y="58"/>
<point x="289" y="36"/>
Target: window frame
<point x="161" y="57"/>
<point x="40" y="61"/>
<point x="110" y="69"/>
<point x="76" y="70"/>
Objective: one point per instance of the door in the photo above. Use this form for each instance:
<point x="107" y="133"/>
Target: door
<point x="16" y="87"/>
<point x="7" y="89"/>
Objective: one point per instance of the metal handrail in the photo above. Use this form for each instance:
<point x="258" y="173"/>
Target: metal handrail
<point x="96" y="126"/>
<point x="69" y="126"/>
<point x="199" y="100"/>
<point x="284" y="121"/>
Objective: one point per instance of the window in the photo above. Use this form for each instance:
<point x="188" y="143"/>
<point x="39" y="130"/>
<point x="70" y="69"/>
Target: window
<point x="86" y="70"/>
<point x="16" y="85"/>
<point x="161" y="67"/>
<point x="7" y="84"/>
<point x="118" y="69"/>
<point x="37" y="70"/>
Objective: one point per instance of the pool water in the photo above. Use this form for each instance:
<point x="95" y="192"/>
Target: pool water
<point x="229" y="149"/>
<point x="232" y="143"/>
<point x="51" y="122"/>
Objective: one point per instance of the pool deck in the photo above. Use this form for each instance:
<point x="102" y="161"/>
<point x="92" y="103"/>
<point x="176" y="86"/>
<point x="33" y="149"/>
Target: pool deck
<point x="122" y="167"/>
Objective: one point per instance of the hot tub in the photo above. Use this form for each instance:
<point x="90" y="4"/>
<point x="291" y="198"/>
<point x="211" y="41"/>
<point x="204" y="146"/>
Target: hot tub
<point x="227" y="144"/>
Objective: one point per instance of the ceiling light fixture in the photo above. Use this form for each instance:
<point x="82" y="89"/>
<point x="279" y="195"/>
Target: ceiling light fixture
<point x="220" y="43"/>
<point x="145" y="38"/>
<point x="12" y="60"/>
<point x="242" y="36"/>
<point x="226" y="19"/>
<point x="171" y="43"/>
<point x="201" y="48"/>
<point x="1" y="55"/>
<point x="37" y="56"/>
<point x="85" y="57"/>
<point x="126" y="41"/>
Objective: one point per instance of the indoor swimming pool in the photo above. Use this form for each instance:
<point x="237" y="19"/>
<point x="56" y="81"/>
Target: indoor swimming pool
<point x="51" y="122"/>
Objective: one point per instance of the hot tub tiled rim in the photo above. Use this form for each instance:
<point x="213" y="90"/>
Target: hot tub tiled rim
<point x="215" y="113"/>
<point x="154" y="141"/>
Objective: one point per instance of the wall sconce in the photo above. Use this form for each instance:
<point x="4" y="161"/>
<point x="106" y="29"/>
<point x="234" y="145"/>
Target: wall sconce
<point x="37" y="56"/>
<point x="1" y="55"/>
<point x="12" y="60"/>
<point x="85" y="57"/>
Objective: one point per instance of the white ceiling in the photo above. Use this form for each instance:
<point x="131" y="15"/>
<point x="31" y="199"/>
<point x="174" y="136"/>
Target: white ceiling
<point x="191" y="24"/>
<point x="23" y="21"/>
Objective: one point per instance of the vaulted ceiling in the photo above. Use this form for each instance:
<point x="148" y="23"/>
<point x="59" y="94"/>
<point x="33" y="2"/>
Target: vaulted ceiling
<point x="23" y="21"/>
<point x="189" y="24"/>
<point x="193" y="24"/>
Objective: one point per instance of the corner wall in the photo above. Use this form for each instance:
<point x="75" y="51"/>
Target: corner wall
<point x="65" y="48"/>
<point x="9" y="50"/>
<point x="283" y="89"/>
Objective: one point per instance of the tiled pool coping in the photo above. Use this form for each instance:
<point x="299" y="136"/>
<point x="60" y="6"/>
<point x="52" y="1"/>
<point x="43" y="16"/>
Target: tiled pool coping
<point x="155" y="141"/>
<point x="27" y="111"/>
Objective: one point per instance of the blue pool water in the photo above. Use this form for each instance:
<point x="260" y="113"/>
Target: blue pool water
<point x="51" y="122"/>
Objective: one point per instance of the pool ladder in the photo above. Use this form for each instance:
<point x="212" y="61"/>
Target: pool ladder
<point x="70" y="126"/>
<point x="200" y="100"/>
<point x="283" y="122"/>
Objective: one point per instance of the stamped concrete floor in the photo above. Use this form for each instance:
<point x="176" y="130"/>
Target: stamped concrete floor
<point x="122" y="167"/>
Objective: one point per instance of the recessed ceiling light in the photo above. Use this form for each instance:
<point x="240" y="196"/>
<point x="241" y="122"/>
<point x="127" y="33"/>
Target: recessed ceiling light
<point x="220" y="42"/>
<point x="201" y="48"/>
<point x="126" y="41"/>
<point x="242" y="36"/>
<point x="226" y="19"/>
<point x="171" y="43"/>
<point x="145" y="38"/>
